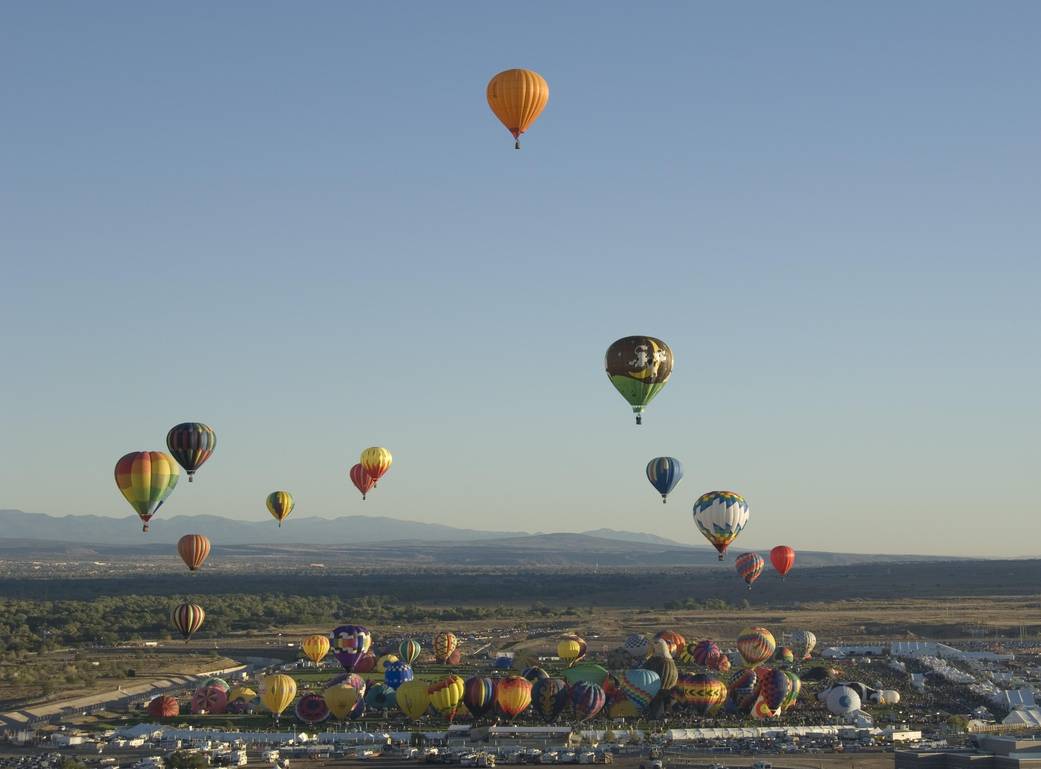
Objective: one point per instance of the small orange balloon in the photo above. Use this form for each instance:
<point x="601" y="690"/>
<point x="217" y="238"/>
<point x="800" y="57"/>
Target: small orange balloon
<point x="517" y="97"/>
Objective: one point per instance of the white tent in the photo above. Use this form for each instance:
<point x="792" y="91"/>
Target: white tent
<point x="1028" y="716"/>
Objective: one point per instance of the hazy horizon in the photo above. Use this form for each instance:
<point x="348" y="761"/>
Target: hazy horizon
<point x="308" y="231"/>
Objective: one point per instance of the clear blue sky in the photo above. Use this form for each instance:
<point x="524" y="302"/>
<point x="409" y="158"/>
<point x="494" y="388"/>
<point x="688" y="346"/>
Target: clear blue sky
<point x="301" y="224"/>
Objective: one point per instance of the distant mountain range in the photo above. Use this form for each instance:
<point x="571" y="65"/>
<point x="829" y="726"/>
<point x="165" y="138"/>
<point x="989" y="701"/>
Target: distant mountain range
<point x="27" y="535"/>
<point x="345" y="530"/>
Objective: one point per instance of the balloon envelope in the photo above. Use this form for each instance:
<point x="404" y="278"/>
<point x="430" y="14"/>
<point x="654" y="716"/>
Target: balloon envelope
<point x="349" y="643"/>
<point x="413" y="699"/>
<point x="146" y="479"/>
<point x="720" y="517"/>
<point x="397" y="673"/>
<point x="587" y="700"/>
<point x="513" y="695"/>
<point x="280" y="504"/>
<point x="783" y="558"/>
<point x="315" y="647"/>
<point x="664" y="473"/>
<point x="749" y="566"/>
<point x="549" y="697"/>
<point x="479" y="695"/>
<point x="517" y="97"/>
<point x="312" y="708"/>
<point x="638" y="367"/>
<point x="376" y="461"/>
<point x="187" y="618"/>
<point x="640" y="686"/>
<point x="191" y="444"/>
<point x="277" y="691"/>
<point x="194" y="549"/>
<point x="756" y="644"/>
<point x="362" y="481"/>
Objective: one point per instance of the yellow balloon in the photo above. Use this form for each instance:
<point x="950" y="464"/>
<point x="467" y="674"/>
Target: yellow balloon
<point x="341" y="700"/>
<point x="241" y="693"/>
<point x="623" y="709"/>
<point x="446" y="694"/>
<point x="315" y="647"/>
<point x="413" y="698"/>
<point x="570" y="649"/>
<point x="517" y="97"/>
<point x="277" y="692"/>
<point x="382" y="662"/>
<point x="375" y="461"/>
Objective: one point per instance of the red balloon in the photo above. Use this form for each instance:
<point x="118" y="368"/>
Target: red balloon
<point x="783" y="559"/>
<point x="164" y="706"/>
<point x="361" y="480"/>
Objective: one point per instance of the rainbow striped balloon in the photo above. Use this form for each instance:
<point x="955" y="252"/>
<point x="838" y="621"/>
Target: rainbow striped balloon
<point x="187" y="618"/>
<point x="749" y="566"/>
<point x="146" y="479"/>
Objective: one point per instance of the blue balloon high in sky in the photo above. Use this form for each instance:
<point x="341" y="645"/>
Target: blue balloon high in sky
<point x="664" y="473"/>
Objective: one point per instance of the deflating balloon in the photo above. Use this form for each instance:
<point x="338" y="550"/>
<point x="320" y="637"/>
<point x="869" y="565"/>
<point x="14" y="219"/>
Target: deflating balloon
<point x="146" y="479"/>
<point x="664" y="473"/>
<point x="749" y="566"/>
<point x="517" y="97"/>
<point x="720" y="516"/>
<point x="784" y="654"/>
<point x="191" y="444"/>
<point x="194" y="549"/>
<point x="842" y="700"/>
<point x="280" y="504"/>
<point x="639" y="367"/>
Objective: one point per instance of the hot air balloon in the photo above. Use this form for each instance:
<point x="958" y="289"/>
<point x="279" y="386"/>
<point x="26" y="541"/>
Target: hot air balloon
<point x="705" y="694"/>
<point x="409" y="651"/>
<point x="803" y="642"/>
<point x="783" y="558"/>
<point x="376" y="462"/>
<point x="756" y="645"/>
<point x="479" y="695"/>
<point x="793" y="691"/>
<point x="444" y="644"/>
<point x="513" y="695"/>
<point x="720" y="516"/>
<point x="664" y="473"/>
<point x="722" y="664"/>
<point x="784" y="654"/>
<point x="517" y="97"/>
<point x="315" y="647"/>
<point x="146" y="479"/>
<point x="774" y="687"/>
<point x="638" y="367"/>
<point x="220" y="683"/>
<point x="749" y="566"/>
<point x="706" y="653"/>
<point x="586" y="671"/>
<point x="194" y="549"/>
<point x="571" y="649"/>
<point x="743" y="688"/>
<point x="280" y="504"/>
<point x="191" y="444"/>
<point x="397" y="673"/>
<point x="549" y="697"/>
<point x="350" y="679"/>
<point x="276" y="692"/>
<point x="640" y="686"/>
<point x="187" y="618"/>
<point x="413" y="699"/>
<point x="587" y="700"/>
<point x="312" y="708"/>
<point x="673" y="641"/>
<point x="341" y="700"/>
<point x="445" y="695"/>
<point x="379" y="697"/>
<point x="241" y="693"/>
<point x="637" y="646"/>
<point x="534" y="673"/>
<point x="163" y="706"/>
<point x="666" y="669"/>
<point x="842" y="700"/>
<point x="209" y="699"/>
<point x="349" y="643"/>
<point x="366" y="663"/>
<point x="362" y="481"/>
<point x="381" y="662"/>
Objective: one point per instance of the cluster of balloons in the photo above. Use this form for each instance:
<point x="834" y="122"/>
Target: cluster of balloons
<point x="750" y="565"/>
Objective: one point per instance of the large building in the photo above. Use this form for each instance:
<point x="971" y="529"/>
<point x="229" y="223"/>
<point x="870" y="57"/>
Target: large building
<point x="989" y="753"/>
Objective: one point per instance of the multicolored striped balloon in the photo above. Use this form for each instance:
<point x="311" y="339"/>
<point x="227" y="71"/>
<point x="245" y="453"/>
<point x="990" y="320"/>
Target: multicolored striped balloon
<point x="280" y="504"/>
<point x="756" y="645"/>
<point x="640" y="686"/>
<point x="749" y="566"/>
<point x="191" y="444"/>
<point x="409" y="650"/>
<point x="187" y="618"/>
<point x="587" y="700"/>
<point x="146" y="479"/>
<point x="705" y="694"/>
<point x="194" y="549"/>
<point x="479" y="695"/>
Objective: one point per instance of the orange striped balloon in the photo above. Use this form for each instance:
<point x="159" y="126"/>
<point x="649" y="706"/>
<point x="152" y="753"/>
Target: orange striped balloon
<point x="194" y="550"/>
<point x="517" y="97"/>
